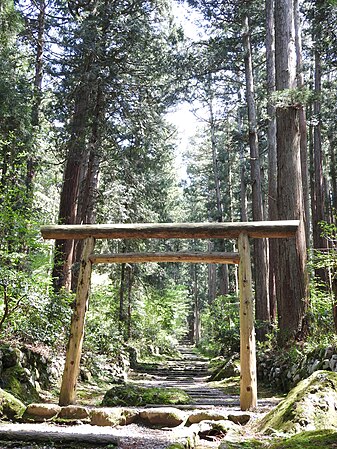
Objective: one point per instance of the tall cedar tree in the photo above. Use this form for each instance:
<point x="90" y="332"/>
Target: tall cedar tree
<point x="292" y="276"/>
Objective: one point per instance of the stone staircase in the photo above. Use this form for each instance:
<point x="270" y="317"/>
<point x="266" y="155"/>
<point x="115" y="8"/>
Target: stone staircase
<point x="190" y="373"/>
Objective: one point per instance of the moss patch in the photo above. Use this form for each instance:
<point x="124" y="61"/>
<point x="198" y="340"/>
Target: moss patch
<point x="308" y="406"/>
<point x="16" y="381"/>
<point x="10" y="407"/>
<point x="134" y="395"/>
<point x="323" y="439"/>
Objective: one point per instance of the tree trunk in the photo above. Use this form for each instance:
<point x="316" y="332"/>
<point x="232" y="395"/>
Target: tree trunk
<point x="303" y="121"/>
<point x="86" y="210"/>
<point x="292" y="277"/>
<point x="272" y="157"/>
<point x="222" y="270"/>
<point x="243" y="187"/>
<point x="333" y="177"/>
<point x="262" y="312"/>
<point x="37" y="99"/>
<point x="196" y="308"/>
<point x="77" y="151"/>
<point x="319" y="193"/>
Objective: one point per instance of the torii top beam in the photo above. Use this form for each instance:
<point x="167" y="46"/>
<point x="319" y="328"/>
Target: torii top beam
<point x="228" y="230"/>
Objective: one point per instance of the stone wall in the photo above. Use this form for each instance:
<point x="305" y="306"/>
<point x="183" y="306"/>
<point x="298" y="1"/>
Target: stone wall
<point x="285" y="370"/>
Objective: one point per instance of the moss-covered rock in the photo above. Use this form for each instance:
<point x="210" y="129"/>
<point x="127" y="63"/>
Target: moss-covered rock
<point x="10" y="407"/>
<point x="322" y="439"/>
<point x="311" y="405"/>
<point x="134" y="395"/>
<point x="17" y="381"/>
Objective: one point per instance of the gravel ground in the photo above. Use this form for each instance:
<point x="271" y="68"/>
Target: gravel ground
<point x="86" y="436"/>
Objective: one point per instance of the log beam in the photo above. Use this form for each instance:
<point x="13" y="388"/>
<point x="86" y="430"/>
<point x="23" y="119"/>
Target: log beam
<point x="191" y="257"/>
<point x="258" y="229"/>
<point x="248" y="382"/>
<point x="74" y="348"/>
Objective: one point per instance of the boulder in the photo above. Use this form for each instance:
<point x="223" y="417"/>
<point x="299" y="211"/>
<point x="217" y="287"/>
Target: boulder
<point x="311" y="405"/>
<point x="163" y="416"/>
<point x="241" y="418"/>
<point x="40" y="412"/>
<point x="205" y="415"/>
<point x="74" y="412"/>
<point x="113" y="417"/>
<point x="10" y="407"/>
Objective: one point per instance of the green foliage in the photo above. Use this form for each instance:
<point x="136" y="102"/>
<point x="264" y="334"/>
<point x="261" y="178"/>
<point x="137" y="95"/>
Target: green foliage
<point x="103" y="333"/>
<point x="221" y="330"/>
<point x="292" y="98"/>
<point x="323" y="294"/>
<point x="133" y="395"/>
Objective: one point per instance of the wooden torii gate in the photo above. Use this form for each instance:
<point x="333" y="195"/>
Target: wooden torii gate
<point x="241" y="231"/>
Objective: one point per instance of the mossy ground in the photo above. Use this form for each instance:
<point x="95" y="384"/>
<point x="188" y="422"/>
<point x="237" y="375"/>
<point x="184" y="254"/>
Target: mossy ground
<point x="323" y="439"/>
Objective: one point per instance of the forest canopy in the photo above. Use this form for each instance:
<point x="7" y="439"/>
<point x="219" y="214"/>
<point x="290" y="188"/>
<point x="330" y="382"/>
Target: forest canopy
<point x="86" y="92"/>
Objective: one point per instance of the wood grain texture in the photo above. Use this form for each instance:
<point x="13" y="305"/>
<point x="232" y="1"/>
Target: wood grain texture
<point x="190" y="257"/>
<point x="259" y="229"/>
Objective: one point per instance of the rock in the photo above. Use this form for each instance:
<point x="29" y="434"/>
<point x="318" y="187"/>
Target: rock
<point x="18" y="382"/>
<point x="10" y="407"/>
<point x="205" y="415"/>
<point x="73" y="412"/>
<point x="11" y="357"/>
<point x="311" y="405"/>
<point x="333" y="362"/>
<point x="112" y="416"/>
<point x="163" y="416"/>
<point x="229" y="368"/>
<point x="241" y="419"/>
<point x="214" y="430"/>
<point x="40" y="412"/>
<point x="326" y="364"/>
<point x="85" y="375"/>
<point x="329" y="352"/>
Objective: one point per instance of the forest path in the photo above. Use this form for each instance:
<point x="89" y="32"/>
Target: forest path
<point x="189" y="373"/>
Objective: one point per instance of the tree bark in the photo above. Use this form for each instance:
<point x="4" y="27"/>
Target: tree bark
<point x="74" y="348"/>
<point x="333" y="176"/>
<point x="262" y="311"/>
<point x="77" y="151"/>
<point x="319" y="193"/>
<point x="272" y="155"/>
<point x="248" y="380"/>
<point x="292" y="277"/>
<point x="303" y="122"/>
<point x="89" y="181"/>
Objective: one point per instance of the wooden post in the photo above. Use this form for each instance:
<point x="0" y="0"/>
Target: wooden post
<point x="74" y="348"/>
<point x="248" y="384"/>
